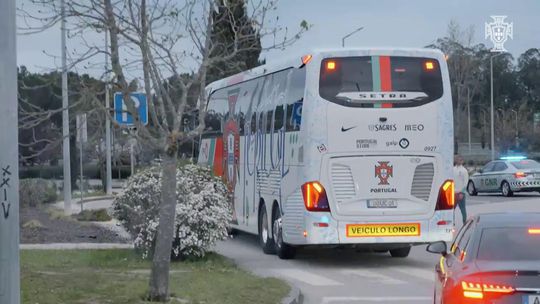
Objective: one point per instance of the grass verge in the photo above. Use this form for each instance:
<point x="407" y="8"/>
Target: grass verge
<point x="120" y="276"/>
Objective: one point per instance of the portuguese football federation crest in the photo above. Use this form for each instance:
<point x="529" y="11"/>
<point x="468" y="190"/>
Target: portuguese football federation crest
<point x="231" y="147"/>
<point x="499" y="31"/>
<point x="384" y="171"/>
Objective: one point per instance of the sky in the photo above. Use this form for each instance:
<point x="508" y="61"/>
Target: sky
<point x="387" y="23"/>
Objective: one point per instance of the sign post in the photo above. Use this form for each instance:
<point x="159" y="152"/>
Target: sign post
<point x="123" y="117"/>
<point x="9" y="159"/>
<point x="122" y="114"/>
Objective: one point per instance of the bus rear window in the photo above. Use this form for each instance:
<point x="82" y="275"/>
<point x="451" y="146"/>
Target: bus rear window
<point x="380" y="81"/>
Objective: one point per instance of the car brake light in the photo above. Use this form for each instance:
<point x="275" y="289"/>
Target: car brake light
<point x="478" y="290"/>
<point x="534" y="230"/>
<point x="520" y="174"/>
<point x="315" y="197"/>
<point x="445" y="200"/>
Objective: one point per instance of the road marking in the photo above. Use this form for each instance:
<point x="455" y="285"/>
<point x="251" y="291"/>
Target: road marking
<point x="306" y="277"/>
<point x="415" y="272"/>
<point x="373" y="276"/>
<point x="327" y="300"/>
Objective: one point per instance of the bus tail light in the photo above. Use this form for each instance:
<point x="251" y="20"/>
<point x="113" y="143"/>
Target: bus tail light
<point x="478" y="290"/>
<point x="520" y="174"/>
<point x="315" y="197"/>
<point x="534" y="231"/>
<point x="446" y="200"/>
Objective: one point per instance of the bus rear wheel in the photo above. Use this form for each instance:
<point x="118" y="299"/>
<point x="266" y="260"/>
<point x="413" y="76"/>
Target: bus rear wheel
<point x="265" y="236"/>
<point x="400" y="252"/>
<point x="283" y="250"/>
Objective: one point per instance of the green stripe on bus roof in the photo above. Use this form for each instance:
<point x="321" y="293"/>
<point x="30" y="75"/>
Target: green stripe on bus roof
<point x="376" y="73"/>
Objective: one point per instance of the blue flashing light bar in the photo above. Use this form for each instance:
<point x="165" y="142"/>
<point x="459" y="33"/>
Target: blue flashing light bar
<point x="516" y="157"/>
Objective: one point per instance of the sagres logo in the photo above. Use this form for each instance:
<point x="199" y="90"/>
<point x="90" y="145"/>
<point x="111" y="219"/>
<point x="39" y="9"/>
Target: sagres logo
<point x="384" y="171"/>
<point x="499" y="31"/>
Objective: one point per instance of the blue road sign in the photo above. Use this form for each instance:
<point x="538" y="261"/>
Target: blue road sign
<point x="121" y="114"/>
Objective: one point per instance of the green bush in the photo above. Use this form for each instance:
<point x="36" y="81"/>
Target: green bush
<point x="36" y="191"/>
<point x="91" y="171"/>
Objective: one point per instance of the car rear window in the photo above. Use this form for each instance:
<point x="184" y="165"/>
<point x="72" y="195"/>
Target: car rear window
<point x="509" y="244"/>
<point x="526" y="164"/>
<point x="380" y="81"/>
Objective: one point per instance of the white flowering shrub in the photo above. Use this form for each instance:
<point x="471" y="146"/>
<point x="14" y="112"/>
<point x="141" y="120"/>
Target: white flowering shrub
<point x="202" y="210"/>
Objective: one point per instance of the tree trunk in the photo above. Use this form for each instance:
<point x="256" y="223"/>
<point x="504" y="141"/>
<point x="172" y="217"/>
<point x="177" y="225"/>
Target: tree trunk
<point x="159" y="278"/>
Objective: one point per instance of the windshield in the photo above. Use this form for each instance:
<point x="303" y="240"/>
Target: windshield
<point x="509" y="244"/>
<point x="380" y="81"/>
<point x="526" y="164"/>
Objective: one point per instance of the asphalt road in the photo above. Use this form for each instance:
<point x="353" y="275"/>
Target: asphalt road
<point x="349" y="276"/>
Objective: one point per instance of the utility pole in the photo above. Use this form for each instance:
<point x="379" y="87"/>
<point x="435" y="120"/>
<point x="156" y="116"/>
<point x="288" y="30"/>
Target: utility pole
<point x="9" y="159"/>
<point x="65" y="117"/>
<point x="107" y="121"/>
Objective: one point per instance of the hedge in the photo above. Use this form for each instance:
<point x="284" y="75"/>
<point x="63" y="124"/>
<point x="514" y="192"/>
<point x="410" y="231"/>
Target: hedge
<point x="56" y="172"/>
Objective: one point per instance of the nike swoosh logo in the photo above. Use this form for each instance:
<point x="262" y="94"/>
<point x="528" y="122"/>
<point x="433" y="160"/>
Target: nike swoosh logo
<point x="347" y="129"/>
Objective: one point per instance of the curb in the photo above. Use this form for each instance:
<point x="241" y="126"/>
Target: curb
<point x="94" y="199"/>
<point x="294" y="296"/>
<point x="74" y="246"/>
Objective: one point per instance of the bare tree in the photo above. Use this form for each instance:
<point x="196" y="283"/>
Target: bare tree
<point x="160" y="39"/>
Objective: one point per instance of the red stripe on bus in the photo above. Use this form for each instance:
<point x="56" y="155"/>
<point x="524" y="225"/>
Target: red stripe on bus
<point x="386" y="75"/>
<point x="218" y="158"/>
<point x="387" y="105"/>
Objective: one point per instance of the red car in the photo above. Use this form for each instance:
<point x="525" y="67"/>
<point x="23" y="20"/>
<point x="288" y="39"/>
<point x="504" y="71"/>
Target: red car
<point x="495" y="258"/>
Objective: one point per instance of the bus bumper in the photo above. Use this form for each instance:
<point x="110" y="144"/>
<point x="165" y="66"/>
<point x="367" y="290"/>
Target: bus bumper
<point x="322" y="229"/>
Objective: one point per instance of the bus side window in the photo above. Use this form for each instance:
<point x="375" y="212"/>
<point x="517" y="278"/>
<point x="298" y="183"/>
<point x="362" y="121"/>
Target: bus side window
<point x="278" y="119"/>
<point x="261" y="122"/>
<point x="269" y="117"/>
<point x="253" y="123"/>
<point x="294" y="116"/>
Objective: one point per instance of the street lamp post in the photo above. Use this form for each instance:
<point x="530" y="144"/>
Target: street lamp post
<point x="469" y="117"/>
<point x="491" y="109"/>
<point x="349" y="35"/>
<point x="517" y="130"/>
<point x="65" y="117"/>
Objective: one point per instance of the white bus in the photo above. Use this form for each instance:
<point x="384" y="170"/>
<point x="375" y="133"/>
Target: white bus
<point x="339" y="147"/>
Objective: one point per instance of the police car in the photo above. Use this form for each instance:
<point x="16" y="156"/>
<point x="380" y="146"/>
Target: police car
<point x="506" y="175"/>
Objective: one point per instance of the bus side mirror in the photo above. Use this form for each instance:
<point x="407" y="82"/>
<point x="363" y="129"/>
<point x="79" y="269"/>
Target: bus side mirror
<point x="437" y="247"/>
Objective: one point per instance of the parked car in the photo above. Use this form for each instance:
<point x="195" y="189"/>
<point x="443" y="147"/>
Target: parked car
<point x="507" y="176"/>
<point x="495" y="258"/>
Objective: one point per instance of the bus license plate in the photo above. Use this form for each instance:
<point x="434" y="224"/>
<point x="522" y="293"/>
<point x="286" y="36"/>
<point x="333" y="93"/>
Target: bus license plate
<point x="382" y="230"/>
<point x="381" y="203"/>
<point x="531" y="299"/>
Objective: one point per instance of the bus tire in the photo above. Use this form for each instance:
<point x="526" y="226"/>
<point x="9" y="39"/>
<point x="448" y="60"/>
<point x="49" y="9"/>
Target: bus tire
<point x="265" y="234"/>
<point x="283" y="250"/>
<point x="231" y="231"/>
<point x="400" y="252"/>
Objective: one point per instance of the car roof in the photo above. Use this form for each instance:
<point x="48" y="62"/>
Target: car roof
<point x="508" y="219"/>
